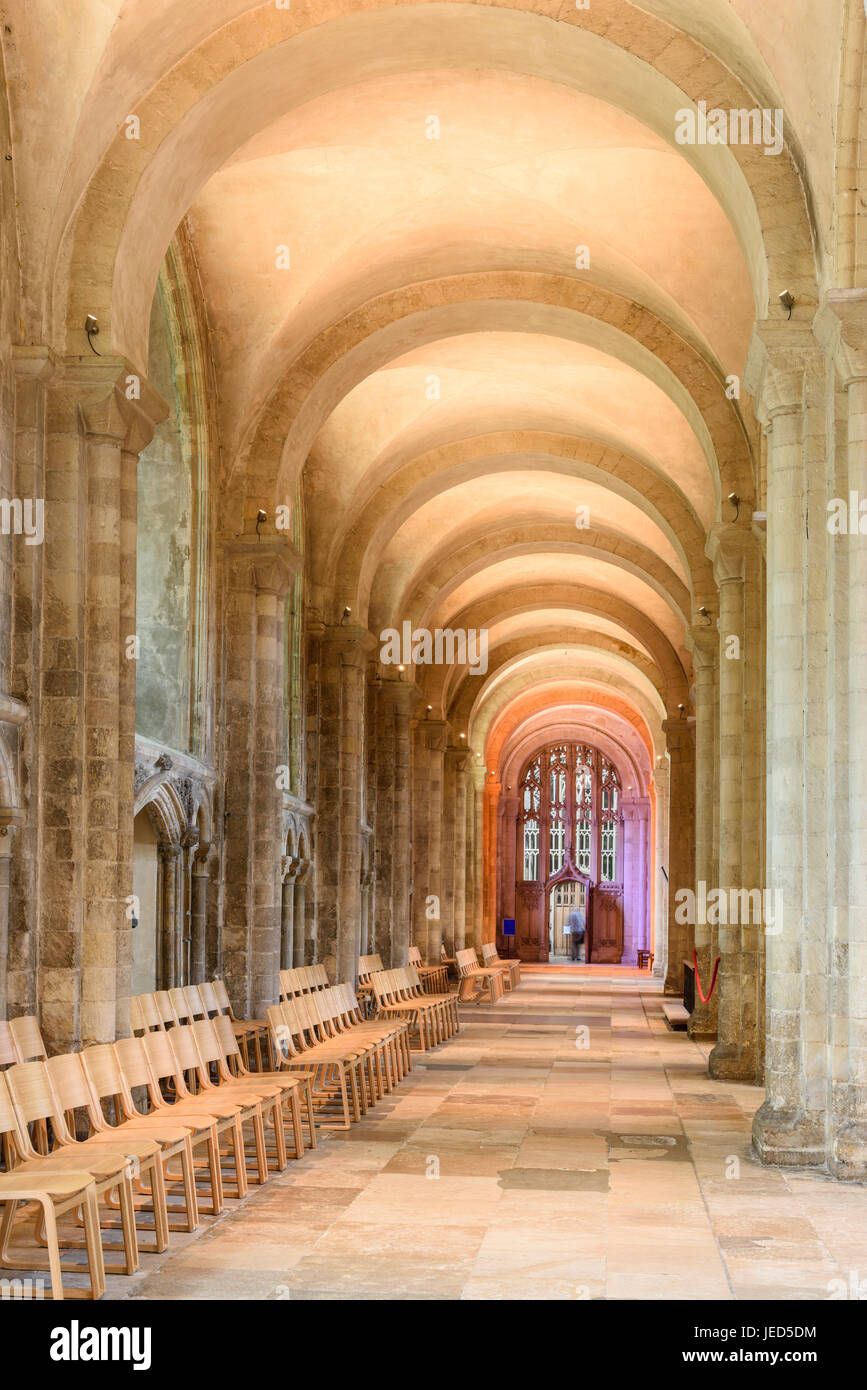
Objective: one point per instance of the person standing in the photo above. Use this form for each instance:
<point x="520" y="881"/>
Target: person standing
<point x="577" y="931"/>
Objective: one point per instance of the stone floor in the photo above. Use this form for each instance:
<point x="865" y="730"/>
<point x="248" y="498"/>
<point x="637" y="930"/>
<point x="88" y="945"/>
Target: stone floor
<point x="565" y="1146"/>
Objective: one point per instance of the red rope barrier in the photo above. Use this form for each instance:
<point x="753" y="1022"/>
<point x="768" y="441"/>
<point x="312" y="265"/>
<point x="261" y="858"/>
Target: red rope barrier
<point x="704" y="997"/>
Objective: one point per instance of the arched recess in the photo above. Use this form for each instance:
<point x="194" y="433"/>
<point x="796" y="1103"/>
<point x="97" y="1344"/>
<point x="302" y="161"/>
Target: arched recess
<point x="174" y="522"/>
<point x="186" y="108"/>
<point x="159" y="886"/>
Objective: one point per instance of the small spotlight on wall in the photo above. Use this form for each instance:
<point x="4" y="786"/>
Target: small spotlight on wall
<point x="736" y="503"/>
<point x="347" y="612"/>
<point x="787" y="299"/>
<point x="261" y="518"/>
<point x="91" y="328"/>
<point x="461" y="735"/>
<point x="682" y="709"/>
<point x="703" y="613"/>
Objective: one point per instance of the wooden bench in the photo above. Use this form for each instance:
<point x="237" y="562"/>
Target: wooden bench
<point x="492" y="961"/>
<point x="434" y="978"/>
<point x="477" y="980"/>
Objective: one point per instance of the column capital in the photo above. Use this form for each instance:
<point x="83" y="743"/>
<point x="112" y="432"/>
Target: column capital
<point x="841" y="324"/>
<point x="702" y="643"/>
<point x="461" y="758"/>
<point x="107" y="397"/>
<point x="729" y="546"/>
<point x="266" y="564"/>
<point x="433" y="734"/>
<point x="779" y="356"/>
<point x="400" y="697"/>
<point x="679" y="736"/>
<point x="351" y="643"/>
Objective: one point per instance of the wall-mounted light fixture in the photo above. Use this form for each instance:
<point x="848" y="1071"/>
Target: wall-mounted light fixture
<point x="703" y="613"/>
<point x="736" y="503"/>
<point x="787" y="299"/>
<point x="91" y="328"/>
<point x="261" y="518"/>
<point x="347" y="612"/>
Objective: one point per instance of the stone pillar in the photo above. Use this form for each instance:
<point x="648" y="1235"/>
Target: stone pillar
<point x="287" y="912"/>
<point x="169" y="857"/>
<point x="736" y="1056"/>
<point x="299" y="915"/>
<point x="199" y="881"/>
<point x="507" y="850"/>
<point x="703" y="642"/>
<point x="99" y="416"/>
<point x="848" y="1140"/>
<point x="6" y="840"/>
<point x="259" y="570"/>
<point x="680" y="745"/>
<point x="431" y="736"/>
<point x="447" y="831"/>
<point x="343" y="655"/>
<point x="462" y="773"/>
<point x="477" y="860"/>
<point x="490" y="839"/>
<point x="661" y="895"/>
<point x="395" y="703"/>
<point x="791" y="1126"/>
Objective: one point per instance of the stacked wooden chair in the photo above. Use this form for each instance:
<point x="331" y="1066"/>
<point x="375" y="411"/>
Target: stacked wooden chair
<point x="432" y="1017"/>
<point x="169" y="1008"/>
<point x="477" y="981"/>
<point x="511" y="968"/>
<point x="351" y="1063"/>
<point x="434" y="978"/>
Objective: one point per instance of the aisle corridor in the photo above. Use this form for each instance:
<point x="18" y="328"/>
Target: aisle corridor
<point x="614" y="1169"/>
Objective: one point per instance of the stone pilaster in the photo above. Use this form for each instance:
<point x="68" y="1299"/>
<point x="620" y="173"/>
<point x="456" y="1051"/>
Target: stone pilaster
<point x="287" y="912"/>
<point x="431" y="737"/>
<point x="462" y="789"/>
<point x="200" y="878"/>
<point x="395" y="704"/>
<point x="703" y="643"/>
<point x="661" y="895"/>
<point x="737" y="1054"/>
<point x="680" y="745"/>
<point x="344" y="651"/>
<point x="98" y="416"/>
<point x="790" y="1127"/>
<point x="476" y="857"/>
<point x="259" y="570"/>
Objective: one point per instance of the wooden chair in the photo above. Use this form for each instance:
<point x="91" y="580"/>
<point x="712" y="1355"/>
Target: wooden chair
<point x="132" y="1057"/>
<point x="144" y="1015"/>
<point x="34" y="1190"/>
<point x="334" y="1071"/>
<point x="393" y="1033"/>
<point x="434" y="978"/>
<point x="511" y="968"/>
<point x="476" y="981"/>
<point x="366" y="967"/>
<point x="393" y="1000"/>
<point x="174" y="1059"/>
<point x="27" y="1039"/>
<point x="296" y="1085"/>
<point x="249" y="1031"/>
<point x="79" y="1106"/>
<point x="254" y="1088"/>
<point x="110" y="1089"/>
<point x="35" y="1103"/>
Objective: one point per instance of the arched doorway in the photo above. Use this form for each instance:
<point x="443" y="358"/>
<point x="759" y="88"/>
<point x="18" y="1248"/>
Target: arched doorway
<point x="579" y="846"/>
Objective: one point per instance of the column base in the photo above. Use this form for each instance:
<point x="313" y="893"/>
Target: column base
<point x="848" y="1157"/>
<point x="729" y="1063"/>
<point x="788" y="1137"/>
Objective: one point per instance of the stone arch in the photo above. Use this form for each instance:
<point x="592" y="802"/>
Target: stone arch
<point x="641" y="57"/>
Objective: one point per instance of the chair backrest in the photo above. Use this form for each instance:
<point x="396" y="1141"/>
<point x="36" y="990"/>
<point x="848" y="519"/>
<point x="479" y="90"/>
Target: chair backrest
<point x="209" y="1047"/>
<point x="208" y="997"/>
<point x="181" y="1005"/>
<point x="414" y="957"/>
<point x="165" y="1008"/>
<point x="8" y="1054"/>
<point x="366" y="967"/>
<point x="221" y="994"/>
<point x="163" y="1060"/>
<point x="489" y="952"/>
<point x="228" y="1044"/>
<point x="318" y="977"/>
<point x="106" y="1077"/>
<point x="467" y="960"/>
<point x="135" y="1066"/>
<point x="10" y="1126"/>
<point x="35" y="1101"/>
<point x="195" y="1007"/>
<point x="71" y="1086"/>
<point x="136" y="1017"/>
<point x="182" y="1042"/>
<point x="150" y="1015"/>
<point x="27" y="1039"/>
